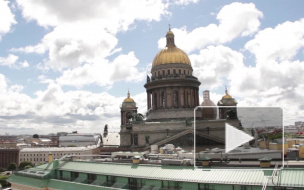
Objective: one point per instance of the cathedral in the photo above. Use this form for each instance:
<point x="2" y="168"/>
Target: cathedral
<point x="172" y="96"/>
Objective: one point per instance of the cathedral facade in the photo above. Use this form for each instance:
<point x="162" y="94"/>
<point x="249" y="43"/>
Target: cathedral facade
<point x="172" y="95"/>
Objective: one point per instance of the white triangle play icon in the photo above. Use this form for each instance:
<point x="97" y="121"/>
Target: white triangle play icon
<point x="235" y="137"/>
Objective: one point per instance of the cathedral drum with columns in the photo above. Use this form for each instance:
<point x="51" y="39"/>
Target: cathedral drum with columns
<point x="172" y="95"/>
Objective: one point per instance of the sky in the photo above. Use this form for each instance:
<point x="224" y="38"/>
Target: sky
<point x="68" y="65"/>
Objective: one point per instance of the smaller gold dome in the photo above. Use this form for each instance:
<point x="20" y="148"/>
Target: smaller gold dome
<point x="227" y="96"/>
<point x="128" y="99"/>
<point x="170" y="33"/>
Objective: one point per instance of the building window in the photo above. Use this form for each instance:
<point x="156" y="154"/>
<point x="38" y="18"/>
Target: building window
<point x="135" y="139"/>
<point x="155" y="100"/>
<point x="168" y="72"/>
<point x="163" y="72"/>
<point x="174" y="71"/>
<point x="179" y="71"/>
<point x="91" y="178"/>
<point x="135" y="183"/>
<point x="163" y="99"/>
<point x="175" y="98"/>
<point x="207" y="186"/>
<point x="60" y="174"/>
<point x="158" y="73"/>
<point x="74" y="175"/>
<point x="184" y="72"/>
<point x="111" y="180"/>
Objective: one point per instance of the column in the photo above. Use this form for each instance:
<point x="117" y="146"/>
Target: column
<point x="159" y="99"/>
<point x="172" y="98"/>
<point x="121" y="117"/>
<point x="149" y="99"/>
<point x="196" y="97"/>
<point x="192" y="98"/>
<point x="180" y="98"/>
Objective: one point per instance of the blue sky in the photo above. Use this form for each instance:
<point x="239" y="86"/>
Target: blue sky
<point x="67" y="65"/>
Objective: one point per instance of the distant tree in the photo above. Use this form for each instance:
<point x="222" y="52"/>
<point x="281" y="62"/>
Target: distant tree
<point x="12" y="166"/>
<point x="2" y="170"/>
<point x="25" y="163"/>
<point x="3" y="181"/>
<point x="105" y="129"/>
<point x="36" y="136"/>
<point x="27" y="167"/>
<point x="71" y="145"/>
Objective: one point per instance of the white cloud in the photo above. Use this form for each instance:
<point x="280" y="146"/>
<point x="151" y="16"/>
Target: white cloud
<point x="103" y="72"/>
<point x="9" y="60"/>
<point x="238" y="19"/>
<point x="235" y="19"/>
<point x="54" y="110"/>
<point x="273" y="82"/>
<point x="12" y="61"/>
<point x="215" y="64"/>
<point x="112" y="15"/>
<point x="7" y="18"/>
<point x="280" y="43"/>
<point x="12" y="101"/>
<point x="89" y="35"/>
<point x="185" y="2"/>
<point x="3" y="83"/>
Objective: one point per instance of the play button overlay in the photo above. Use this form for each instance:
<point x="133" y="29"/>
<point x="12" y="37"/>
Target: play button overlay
<point x="235" y="137"/>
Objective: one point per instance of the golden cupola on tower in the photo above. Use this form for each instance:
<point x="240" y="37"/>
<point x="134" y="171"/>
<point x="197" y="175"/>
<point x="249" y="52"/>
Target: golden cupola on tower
<point x="226" y="96"/>
<point x="128" y="99"/>
<point x="226" y="100"/>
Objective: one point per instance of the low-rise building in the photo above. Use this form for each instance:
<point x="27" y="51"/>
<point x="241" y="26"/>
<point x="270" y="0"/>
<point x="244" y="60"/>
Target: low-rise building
<point x="8" y="155"/>
<point x="41" y="155"/>
<point x="75" y="139"/>
<point x="79" y="175"/>
<point x="8" y="144"/>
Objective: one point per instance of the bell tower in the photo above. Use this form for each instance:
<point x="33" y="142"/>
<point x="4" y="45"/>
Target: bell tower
<point x="226" y="112"/>
<point x="128" y="109"/>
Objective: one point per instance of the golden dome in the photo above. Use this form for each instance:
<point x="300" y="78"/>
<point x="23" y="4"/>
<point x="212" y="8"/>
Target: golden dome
<point x="128" y="99"/>
<point x="171" y="53"/>
<point x="227" y="96"/>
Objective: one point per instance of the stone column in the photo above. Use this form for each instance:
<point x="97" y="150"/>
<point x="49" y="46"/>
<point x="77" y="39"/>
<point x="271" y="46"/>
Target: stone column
<point x="172" y="98"/>
<point x="159" y="99"/>
<point x="149" y="99"/>
<point x="180" y="98"/>
<point x="196" y="98"/>
<point x="153" y="99"/>
<point x="121" y="117"/>
<point x="186" y="97"/>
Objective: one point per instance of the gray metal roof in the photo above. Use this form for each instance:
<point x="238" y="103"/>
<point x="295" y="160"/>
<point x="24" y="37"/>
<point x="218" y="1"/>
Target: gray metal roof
<point x="287" y="177"/>
<point x="55" y="149"/>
